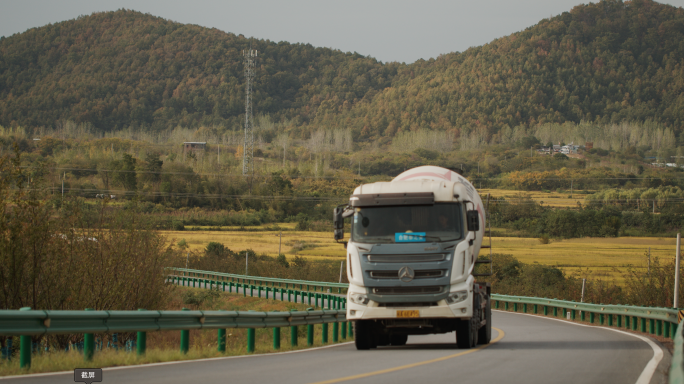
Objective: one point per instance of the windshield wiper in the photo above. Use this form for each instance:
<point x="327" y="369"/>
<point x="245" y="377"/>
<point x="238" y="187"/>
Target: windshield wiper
<point x="429" y="237"/>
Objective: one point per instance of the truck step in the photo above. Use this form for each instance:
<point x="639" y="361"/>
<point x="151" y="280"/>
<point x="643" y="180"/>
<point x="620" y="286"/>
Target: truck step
<point x="485" y="246"/>
<point x="483" y="261"/>
<point x="482" y="274"/>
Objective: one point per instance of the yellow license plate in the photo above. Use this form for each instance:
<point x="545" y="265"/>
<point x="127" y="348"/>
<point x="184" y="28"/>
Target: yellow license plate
<point x="408" y="313"/>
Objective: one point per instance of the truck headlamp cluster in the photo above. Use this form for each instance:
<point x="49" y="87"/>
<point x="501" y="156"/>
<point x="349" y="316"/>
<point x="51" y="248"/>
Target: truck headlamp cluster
<point x="457" y="297"/>
<point x="359" y="298"/>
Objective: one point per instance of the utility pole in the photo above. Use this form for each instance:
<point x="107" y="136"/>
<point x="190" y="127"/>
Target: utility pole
<point x="250" y="56"/>
<point x="584" y="282"/>
<point x="246" y="263"/>
<point x="677" y="259"/>
<point x="281" y="242"/>
<point x="341" y="263"/>
<point x="186" y="260"/>
<point x="649" y="261"/>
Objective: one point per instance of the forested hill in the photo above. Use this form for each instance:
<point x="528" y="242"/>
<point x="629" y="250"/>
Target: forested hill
<point x="610" y="61"/>
<point x="115" y="69"/>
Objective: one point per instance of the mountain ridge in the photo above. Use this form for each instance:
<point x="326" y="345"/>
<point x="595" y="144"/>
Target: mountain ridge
<point x="604" y="63"/>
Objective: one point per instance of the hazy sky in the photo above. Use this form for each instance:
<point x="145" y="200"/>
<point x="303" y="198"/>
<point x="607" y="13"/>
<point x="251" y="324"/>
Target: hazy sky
<point x="389" y="30"/>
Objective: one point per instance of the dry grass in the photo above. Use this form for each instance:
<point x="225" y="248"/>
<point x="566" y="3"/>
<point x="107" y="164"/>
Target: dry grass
<point x="165" y="346"/>
<point x="550" y="199"/>
<point x="607" y="258"/>
<point x="266" y="242"/>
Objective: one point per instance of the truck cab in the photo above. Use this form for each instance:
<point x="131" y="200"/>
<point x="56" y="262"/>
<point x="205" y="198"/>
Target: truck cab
<point x="410" y="258"/>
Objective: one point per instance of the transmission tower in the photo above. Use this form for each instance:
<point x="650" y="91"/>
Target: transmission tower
<point x="248" y="149"/>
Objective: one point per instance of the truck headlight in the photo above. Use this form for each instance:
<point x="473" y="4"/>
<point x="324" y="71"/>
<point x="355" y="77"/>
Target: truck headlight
<point x="359" y="298"/>
<point x="457" y="297"/>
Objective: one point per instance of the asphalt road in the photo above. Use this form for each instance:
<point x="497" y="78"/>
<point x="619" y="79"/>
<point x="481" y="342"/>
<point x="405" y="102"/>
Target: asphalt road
<point x="527" y="349"/>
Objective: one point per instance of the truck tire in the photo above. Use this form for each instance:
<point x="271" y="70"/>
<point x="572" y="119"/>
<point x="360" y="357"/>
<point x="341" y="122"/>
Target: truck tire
<point x="362" y="335"/>
<point x="383" y="340"/>
<point x="398" y="339"/>
<point x="485" y="333"/>
<point x="466" y="334"/>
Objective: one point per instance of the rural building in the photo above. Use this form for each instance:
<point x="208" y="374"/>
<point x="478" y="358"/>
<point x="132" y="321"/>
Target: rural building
<point x="194" y="146"/>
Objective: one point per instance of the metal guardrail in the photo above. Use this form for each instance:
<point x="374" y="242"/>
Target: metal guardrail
<point x="27" y="323"/>
<point x="677" y="365"/>
<point x="286" y="294"/>
<point x="656" y="321"/>
<point x="257" y="280"/>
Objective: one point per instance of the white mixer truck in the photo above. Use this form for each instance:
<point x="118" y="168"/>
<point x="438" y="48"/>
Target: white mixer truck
<point x="411" y="256"/>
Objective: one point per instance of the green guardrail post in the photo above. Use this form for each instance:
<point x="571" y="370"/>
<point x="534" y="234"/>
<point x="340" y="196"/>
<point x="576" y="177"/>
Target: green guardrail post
<point x="618" y="321"/>
<point x="515" y="307"/>
<point x="259" y="291"/>
<point x="627" y="325"/>
<point x="25" y="345"/>
<point x="185" y="338"/>
<point x="142" y="340"/>
<point x="251" y="290"/>
<point x="251" y="339"/>
<point x="534" y="308"/>
<point x="610" y="320"/>
<point x="666" y="328"/>
<point x="293" y="335"/>
<point x="525" y="308"/>
<point x="282" y="294"/>
<point x="592" y="317"/>
<point x="582" y="315"/>
<point x="222" y="340"/>
<point x="673" y="330"/>
<point x="496" y="304"/>
<point x="651" y="326"/>
<point x="546" y="310"/>
<point x="642" y="323"/>
<point x="276" y="338"/>
<point x="634" y="323"/>
<point x="555" y="311"/>
<point x="350" y="329"/>
<point x="324" y="338"/>
<point x="309" y="296"/>
<point x="343" y="330"/>
<point x="224" y="285"/>
<point x="602" y="318"/>
<point x="309" y="334"/>
<point x="506" y="306"/>
<point x="659" y="327"/>
<point x="88" y="344"/>
<point x="336" y="332"/>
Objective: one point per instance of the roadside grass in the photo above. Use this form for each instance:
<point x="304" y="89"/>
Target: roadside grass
<point x="165" y="346"/>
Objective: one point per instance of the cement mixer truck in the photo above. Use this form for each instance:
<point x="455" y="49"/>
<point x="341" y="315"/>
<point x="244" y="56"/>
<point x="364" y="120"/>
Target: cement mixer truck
<point x="411" y="259"/>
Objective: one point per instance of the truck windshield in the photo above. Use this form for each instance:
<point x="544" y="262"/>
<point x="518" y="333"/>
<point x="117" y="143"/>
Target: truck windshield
<point x="398" y="224"/>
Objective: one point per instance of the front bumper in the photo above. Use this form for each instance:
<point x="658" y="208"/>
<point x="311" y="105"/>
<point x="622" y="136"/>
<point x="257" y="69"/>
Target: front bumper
<point x="373" y="310"/>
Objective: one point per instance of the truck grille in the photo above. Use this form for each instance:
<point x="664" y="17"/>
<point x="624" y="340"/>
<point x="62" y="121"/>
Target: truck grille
<point x="423" y="274"/>
<point x="400" y="305"/>
<point x="406" y="258"/>
<point x="407" y="290"/>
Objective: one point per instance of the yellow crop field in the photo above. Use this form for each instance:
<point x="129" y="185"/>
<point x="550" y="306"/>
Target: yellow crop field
<point x="551" y="199"/>
<point x="605" y="258"/>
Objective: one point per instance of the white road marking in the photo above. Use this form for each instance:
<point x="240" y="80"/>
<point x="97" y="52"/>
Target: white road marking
<point x="651" y="366"/>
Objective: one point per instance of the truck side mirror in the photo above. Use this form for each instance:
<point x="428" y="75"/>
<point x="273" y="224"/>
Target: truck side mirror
<point x="473" y="220"/>
<point x="338" y="223"/>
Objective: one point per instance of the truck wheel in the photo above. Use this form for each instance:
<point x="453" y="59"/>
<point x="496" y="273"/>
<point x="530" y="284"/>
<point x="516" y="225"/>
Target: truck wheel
<point x="362" y="334"/>
<point x="465" y="334"/>
<point x="398" y="339"/>
<point x="383" y="340"/>
<point x="485" y="333"/>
